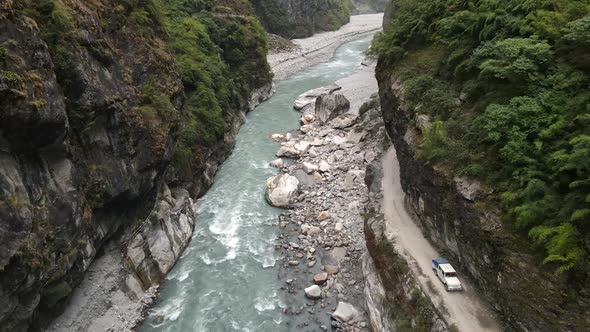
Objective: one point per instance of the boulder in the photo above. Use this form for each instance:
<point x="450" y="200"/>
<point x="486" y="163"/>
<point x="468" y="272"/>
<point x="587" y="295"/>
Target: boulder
<point x="309" y="97"/>
<point x="331" y="269"/>
<point x="302" y="146"/>
<point x="306" y="128"/>
<point x="313" y="292"/>
<point x="281" y="190"/>
<point x="288" y="151"/>
<point x="324" y="166"/>
<point x="310" y="230"/>
<point x="278" y="163"/>
<point x="310" y="168"/>
<point x="345" y="312"/>
<point x="328" y="107"/>
<point x="338" y="140"/>
<point x="338" y="227"/>
<point x="320" y="278"/>
<point x="324" y="215"/>
<point x="343" y="121"/>
<point x="277" y="137"/>
<point x="307" y="119"/>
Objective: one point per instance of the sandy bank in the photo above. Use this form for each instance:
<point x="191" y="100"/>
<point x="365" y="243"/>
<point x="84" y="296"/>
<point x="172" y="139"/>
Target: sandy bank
<point x="321" y="47"/>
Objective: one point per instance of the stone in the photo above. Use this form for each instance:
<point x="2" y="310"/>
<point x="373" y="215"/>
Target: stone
<point x="288" y="151"/>
<point x="313" y="292"/>
<point x="309" y="97"/>
<point x="310" y="230"/>
<point x="338" y="227"/>
<point x="302" y="146"/>
<point x="306" y="128"/>
<point x="278" y="163"/>
<point x="281" y="190"/>
<point x="324" y="215"/>
<point x="294" y="262"/>
<point x="331" y="269"/>
<point x="469" y="189"/>
<point x="308" y="118"/>
<point x="338" y="140"/>
<point x="356" y="137"/>
<point x="343" y="121"/>
<point x="320" y="278"/>
<point x="328" y="107"/>
<point x="317" y="142"/>
<point x="345" y="312"/>
<point x="324" y="166"/>
<point x="352" y="177"/>
<point x="310" y="168"/>
<point x="277" y="137"/>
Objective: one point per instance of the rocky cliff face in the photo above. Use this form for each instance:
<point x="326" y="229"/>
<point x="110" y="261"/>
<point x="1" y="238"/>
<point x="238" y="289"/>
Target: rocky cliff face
<point x="456" y="216"/>
<point x="81" y="156"/>
<point x="302" y="18"/>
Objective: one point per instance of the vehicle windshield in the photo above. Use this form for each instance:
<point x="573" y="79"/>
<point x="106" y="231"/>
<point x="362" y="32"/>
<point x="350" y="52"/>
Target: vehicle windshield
<point x="450" y="274"/>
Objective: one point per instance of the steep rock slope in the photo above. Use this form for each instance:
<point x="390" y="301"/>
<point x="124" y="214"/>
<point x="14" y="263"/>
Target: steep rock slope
<point x="460" y="215"/>
<point x="94" y="98"/>
<point x="302" y="18"/>
<point x="368" y="6"/>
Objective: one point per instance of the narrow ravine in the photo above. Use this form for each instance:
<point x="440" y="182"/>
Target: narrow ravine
<point x="227" y="279"/>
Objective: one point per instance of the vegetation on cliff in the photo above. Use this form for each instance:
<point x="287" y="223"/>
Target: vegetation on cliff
<point x="298" y="19"/>
<point x="506" y="84"/>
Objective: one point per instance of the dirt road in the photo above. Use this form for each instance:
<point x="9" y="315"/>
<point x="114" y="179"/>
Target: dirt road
<point x="463" y="309"/>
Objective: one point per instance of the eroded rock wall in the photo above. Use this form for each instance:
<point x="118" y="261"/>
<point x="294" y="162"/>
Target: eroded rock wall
<point x="82" y="160"/>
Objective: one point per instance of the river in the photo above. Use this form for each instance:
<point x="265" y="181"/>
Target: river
<point x="227" y="279"/>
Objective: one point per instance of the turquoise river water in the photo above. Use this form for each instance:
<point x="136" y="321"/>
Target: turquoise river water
<point x="227" y="280"/>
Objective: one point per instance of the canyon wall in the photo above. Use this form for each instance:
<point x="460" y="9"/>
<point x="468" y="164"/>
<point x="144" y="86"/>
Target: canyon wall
<point x="91" y="110"/>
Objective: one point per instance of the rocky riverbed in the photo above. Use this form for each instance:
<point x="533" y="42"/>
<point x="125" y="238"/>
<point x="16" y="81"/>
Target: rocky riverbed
<point x="321" y="179"/>
<point x="287" y="61"/>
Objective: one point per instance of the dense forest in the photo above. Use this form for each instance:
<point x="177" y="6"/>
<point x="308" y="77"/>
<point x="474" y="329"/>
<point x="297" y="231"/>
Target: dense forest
<point x="507" y="87"/>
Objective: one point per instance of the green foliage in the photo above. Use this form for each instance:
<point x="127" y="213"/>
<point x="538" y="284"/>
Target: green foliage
<point x="156" y="106"/>
<point x="523" y="125"/>
<point x="147" y="16"/>
<point x="221" y="59"/>
<point x="3" y="54"/>
<point x="13" y="79"/>
<point x="274" y="18"/>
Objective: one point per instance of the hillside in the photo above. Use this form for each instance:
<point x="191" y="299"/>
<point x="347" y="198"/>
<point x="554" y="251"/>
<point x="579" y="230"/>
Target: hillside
<point x="487" y="105"/>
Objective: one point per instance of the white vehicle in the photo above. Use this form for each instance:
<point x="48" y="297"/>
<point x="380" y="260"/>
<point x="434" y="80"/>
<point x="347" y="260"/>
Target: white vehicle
<point x="447" y="274"/>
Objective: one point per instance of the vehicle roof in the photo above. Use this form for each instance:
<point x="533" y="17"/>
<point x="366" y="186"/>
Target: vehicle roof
<point x="447" y="268"/>
<point x="440" y="261"/>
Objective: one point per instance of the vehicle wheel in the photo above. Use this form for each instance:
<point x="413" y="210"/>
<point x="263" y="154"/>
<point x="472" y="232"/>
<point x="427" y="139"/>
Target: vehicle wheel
<point x="447" y="287"/>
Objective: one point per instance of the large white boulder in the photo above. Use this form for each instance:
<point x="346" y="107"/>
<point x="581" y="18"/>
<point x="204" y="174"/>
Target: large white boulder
<point x="313" y="292"/>
<point x="309" y="97"/>
<point x="345" y="312"/>
<point x="328" y="107"/>
<point x="281" y="190"/>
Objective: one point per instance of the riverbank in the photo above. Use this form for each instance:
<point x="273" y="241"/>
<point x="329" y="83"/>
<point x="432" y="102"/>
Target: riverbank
<point x="321" y="47"/>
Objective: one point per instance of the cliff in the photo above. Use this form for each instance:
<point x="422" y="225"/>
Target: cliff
<point x="302" y="18"/>
<point x="95" y="103"/>
<point x="462" y="215"/>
